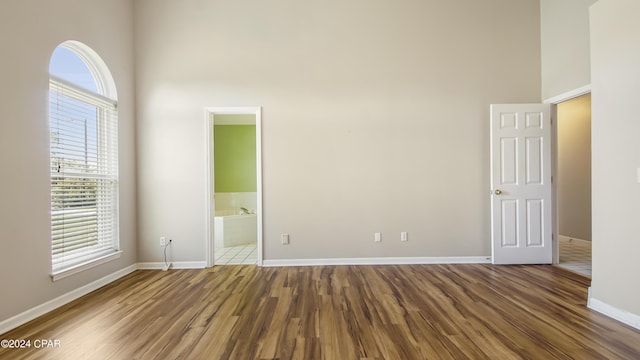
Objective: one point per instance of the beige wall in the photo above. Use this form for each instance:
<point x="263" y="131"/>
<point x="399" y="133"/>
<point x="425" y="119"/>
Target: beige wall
<point x="29" y="31"/>
<point x="574" y="167"/>
<point x="564" y="29"/>
<point x="615" y="49"/>
<point x="375" y="118"/>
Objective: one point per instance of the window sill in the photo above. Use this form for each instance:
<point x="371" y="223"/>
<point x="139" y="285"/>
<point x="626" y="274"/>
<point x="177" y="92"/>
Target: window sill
<point x="85" y="266"/>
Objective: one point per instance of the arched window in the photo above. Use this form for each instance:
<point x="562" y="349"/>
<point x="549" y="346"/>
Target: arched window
<point x="83" y="126"/>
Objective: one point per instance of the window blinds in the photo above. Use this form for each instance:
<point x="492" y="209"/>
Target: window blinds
<point x="84" y="175"/>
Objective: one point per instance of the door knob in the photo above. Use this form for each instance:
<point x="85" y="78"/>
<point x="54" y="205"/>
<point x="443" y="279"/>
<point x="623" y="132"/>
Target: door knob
<point x="497" y="192"/>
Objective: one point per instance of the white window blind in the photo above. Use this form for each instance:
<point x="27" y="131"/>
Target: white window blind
<point x="84" y="175"/>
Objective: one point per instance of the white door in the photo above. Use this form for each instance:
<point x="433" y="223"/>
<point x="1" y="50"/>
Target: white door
<point x="521" y="184"/>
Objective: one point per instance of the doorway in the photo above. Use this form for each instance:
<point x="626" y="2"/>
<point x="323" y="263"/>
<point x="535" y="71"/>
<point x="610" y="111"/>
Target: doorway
<point x="234" y="186"/>
<point x="573" y="184"/>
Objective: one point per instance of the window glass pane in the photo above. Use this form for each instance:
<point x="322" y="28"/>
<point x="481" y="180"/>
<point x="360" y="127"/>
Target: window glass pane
<point x="67" y="65"/>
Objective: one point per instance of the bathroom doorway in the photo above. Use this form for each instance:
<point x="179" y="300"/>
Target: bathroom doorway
<point x="234" y="209"/>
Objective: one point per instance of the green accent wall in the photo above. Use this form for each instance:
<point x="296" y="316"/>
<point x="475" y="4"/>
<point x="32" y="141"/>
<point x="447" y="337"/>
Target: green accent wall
<point x="234" y="150"/>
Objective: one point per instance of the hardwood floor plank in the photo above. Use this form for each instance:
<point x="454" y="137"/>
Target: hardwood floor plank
<point x="471" y="311"/>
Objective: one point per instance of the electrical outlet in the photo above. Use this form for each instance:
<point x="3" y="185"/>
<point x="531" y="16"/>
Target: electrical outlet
<point x="404" y="236"/>
<point x="163" y="241"/>
<point x="377" y="237"/>
<point x="285" y="239"/>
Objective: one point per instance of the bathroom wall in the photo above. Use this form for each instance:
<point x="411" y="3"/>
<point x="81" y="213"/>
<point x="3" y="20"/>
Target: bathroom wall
<point x="235" y="158"/>
<point x="234" y="164"/>
<point x="574" y="167"/>
<point x="229" y="203"/>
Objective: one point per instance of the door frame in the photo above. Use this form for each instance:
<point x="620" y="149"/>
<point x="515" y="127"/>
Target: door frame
<point x="554" y="101"/>
<point x="210" y="113"/>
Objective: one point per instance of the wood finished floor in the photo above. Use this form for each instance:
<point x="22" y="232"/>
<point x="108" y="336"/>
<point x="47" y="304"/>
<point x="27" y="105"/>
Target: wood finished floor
<point x="334" y="312"/>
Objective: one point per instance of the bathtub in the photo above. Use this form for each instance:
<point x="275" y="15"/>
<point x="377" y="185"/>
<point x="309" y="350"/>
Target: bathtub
<point x="234" y="230"/>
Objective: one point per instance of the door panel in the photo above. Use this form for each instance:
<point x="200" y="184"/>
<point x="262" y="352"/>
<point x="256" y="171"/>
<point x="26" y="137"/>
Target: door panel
<point x="509" y="151"/>
<point x="534" y="161"/>
<point x="534" y="222"/>
<point x="521" y="182"/>
<point x="509" y="234"/>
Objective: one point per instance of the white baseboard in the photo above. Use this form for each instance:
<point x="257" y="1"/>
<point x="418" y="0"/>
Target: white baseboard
<point x="623" y="316"/>
<point x="380" y="261"/>
<point x="50" y="305"/>
<point x="174" y="265"/>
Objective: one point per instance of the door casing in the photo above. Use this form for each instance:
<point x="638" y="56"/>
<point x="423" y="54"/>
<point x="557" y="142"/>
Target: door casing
<point x="554" y="101"/>
<point x="210" y="113"/>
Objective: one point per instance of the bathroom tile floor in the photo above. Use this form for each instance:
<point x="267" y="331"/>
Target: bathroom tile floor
<point x="237" y="255"/>
<point x="575" y="255"/>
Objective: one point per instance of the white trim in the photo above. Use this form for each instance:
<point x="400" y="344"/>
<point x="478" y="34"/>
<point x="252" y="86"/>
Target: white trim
<point x="380" y="261"/>
<point x="209" y="190"/>
<point x="174" y="265"/>
<point x="85" y="266"/>
<point x="569" y="95"/>
<point x="210" y="112"/>
<point x="554" y="140"/>
<point x="555" y="220"/>
<point x="39" y="310"/>
<point x="623" y="316"/>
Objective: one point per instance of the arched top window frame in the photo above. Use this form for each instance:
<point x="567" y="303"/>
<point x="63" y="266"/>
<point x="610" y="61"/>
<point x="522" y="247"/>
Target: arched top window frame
<point x="84" y="223"/>
<point x="104" y="80"/>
